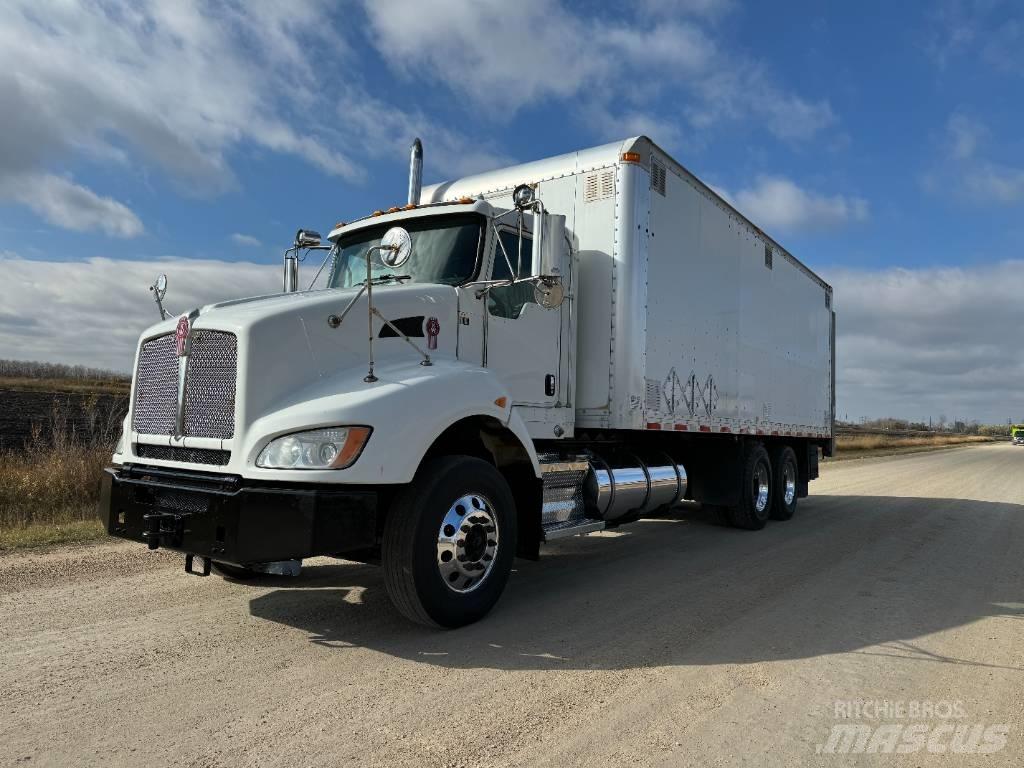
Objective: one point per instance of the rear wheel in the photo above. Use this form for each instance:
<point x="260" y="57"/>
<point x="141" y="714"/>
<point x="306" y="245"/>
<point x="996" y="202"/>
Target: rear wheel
<point x="786" y="476"/>
<point x="755" y="503"/>
<point x="449" y="541"/>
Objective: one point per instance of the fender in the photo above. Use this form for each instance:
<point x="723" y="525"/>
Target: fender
<point x="407" y="409"/>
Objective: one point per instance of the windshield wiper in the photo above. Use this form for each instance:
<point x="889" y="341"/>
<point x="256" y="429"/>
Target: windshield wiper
<point x="399" y="278"/>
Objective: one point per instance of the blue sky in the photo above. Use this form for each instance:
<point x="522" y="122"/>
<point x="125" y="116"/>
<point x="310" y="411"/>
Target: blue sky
<point x="881" y="143"/>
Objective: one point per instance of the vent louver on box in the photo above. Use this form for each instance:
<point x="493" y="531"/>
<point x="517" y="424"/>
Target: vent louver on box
<point x="653" y="396"/>
<point x="598" y="186"/>
<point x="657" y="177"/>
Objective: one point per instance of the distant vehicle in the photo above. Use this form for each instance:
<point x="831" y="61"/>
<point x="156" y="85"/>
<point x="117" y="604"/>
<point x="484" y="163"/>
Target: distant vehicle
<point x="1017" y="434"/>
<point x="540" y="351"/>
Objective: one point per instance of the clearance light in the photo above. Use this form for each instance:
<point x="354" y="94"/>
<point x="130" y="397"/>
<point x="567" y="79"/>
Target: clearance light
<point x="394" y="209"/>
<point x="501" y="401"/>
<point x="410" y="207"/>
<point x="377" y="213"/>
<point x="630" y="157"/>
<point x="465" y="200"/>
<point x="339" y="224"/>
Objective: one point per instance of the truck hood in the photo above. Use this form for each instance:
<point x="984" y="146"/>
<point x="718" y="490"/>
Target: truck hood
<point x="286" y="348"/>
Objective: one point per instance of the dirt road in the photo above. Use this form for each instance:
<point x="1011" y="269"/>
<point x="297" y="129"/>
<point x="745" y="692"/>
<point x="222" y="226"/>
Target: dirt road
<point x="674" y="642"/>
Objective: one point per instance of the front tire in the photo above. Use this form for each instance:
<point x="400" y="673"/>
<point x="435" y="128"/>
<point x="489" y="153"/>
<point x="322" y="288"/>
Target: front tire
<point x="449" y="541"/>
<point x="755" y="503"/>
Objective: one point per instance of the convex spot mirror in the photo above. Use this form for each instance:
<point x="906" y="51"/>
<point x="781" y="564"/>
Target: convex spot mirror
<point x="160" y="286"/>
<point x="549" y="293"/>
<point x="395" y="247"/>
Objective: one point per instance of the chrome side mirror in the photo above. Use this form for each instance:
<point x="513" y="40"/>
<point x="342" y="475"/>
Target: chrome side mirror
<point x="159" y="289"/>
<point x="395" y="247"/>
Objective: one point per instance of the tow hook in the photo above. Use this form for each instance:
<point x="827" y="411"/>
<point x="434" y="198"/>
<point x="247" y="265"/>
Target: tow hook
<point x="190" y="561"/>
<point x="164" y="528"/>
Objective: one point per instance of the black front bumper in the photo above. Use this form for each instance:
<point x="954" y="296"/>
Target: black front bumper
<point x="225" y="518"/>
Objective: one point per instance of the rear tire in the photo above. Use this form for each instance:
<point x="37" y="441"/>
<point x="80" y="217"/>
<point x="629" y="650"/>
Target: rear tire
<point x="787" y="476"/>
<point x="449" y="541"/>
<point x="755" y="504"/>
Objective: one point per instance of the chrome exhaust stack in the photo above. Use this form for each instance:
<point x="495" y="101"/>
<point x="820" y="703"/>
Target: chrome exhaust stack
<point x="415" y="172"/>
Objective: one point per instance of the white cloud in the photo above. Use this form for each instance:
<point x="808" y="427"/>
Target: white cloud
<point x="968" y="173"/>
<point x="543" y="51"/>
<point x="379" y="130"/>
<point x="996" y="183"/>
<point x="709" y="9"/>
<point x="70" y="206"/>
<point x="990" y="31"/>
<point x="247" y="240"/>
<point x="179" y="85"/>
<point x="965" y="133"/>
<point x="919" y="342"/>
<point x="92" y="312"/>
<point x="777" y="203"/>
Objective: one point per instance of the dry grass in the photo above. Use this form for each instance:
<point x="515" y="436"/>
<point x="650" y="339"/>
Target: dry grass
<point x="49" y="490"/>
<point x="112" y="387"/>
<point x="862" y="444"/>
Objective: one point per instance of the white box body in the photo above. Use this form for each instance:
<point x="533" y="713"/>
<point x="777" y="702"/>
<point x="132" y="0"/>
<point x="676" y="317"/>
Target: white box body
<point x="683" y="323"/>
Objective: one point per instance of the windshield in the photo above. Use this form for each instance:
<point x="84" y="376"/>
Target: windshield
<point x="445" y="249"/>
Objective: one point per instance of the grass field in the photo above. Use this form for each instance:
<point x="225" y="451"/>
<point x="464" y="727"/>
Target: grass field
<point x="49" y="489"/>
<point x="876" y="444"/>
<point x="112" y="387"/>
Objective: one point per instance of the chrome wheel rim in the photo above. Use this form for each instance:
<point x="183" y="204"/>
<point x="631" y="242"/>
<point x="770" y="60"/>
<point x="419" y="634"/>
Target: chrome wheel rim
<point x="467" y="543"/>
<point x="761" y="488"/>
<point x="789" y="479"/>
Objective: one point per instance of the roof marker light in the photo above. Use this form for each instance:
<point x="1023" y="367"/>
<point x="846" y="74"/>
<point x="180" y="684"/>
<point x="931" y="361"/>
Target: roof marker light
<point x="630" y="157"/>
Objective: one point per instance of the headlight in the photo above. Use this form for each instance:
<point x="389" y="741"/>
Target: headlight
<point x="328" y="448"/>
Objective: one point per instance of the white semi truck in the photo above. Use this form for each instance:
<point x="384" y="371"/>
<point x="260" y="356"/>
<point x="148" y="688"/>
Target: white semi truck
<point x="546" y="350"/>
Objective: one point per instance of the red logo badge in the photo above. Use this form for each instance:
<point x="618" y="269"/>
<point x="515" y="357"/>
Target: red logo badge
<point x="433" y="329"/>
<point x="181" y="336"/>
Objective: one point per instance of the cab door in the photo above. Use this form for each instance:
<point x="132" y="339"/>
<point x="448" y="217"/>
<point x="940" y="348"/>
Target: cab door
<point x="523" y="338"/>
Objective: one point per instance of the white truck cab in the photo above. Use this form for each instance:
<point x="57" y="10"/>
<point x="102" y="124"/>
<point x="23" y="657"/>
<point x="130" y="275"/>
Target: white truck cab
<point x="546" y="350"/>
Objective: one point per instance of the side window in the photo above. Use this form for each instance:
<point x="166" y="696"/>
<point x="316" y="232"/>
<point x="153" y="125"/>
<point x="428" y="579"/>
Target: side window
<point x="509" y="300"/>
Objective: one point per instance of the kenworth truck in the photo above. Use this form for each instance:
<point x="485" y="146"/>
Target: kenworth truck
<point x="546" y="350"/>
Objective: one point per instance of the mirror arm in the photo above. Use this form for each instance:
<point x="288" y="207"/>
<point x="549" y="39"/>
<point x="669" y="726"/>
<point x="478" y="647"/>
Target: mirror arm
<point x="159" y="299"/>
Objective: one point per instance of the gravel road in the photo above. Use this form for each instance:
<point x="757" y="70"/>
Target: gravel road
<point x="672" y="642"/>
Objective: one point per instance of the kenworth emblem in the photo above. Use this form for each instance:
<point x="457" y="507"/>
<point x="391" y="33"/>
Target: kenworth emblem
<point x="181" y="336"/>
<point x="433" y="329"/>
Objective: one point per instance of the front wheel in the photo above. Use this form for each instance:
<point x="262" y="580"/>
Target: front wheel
<point x="449" y="541"/>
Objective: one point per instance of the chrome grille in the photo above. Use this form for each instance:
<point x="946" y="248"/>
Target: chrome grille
<point x="209" y="408"/>
<point x="156" y="387"/>
<point x="210" y="385"/>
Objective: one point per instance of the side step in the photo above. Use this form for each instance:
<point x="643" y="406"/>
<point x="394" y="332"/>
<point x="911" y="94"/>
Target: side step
<point x="562" y="530"/>
<point x="563" y="512"/>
